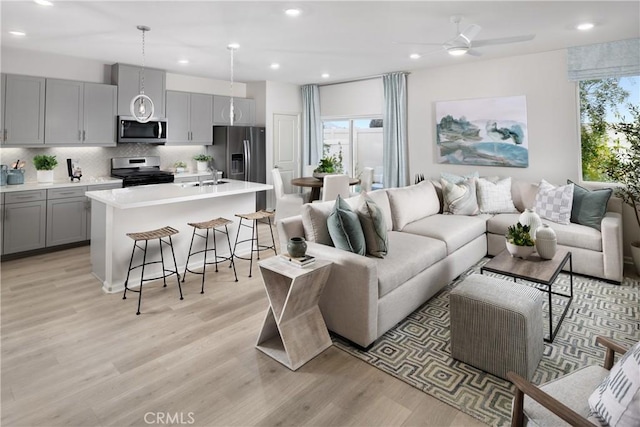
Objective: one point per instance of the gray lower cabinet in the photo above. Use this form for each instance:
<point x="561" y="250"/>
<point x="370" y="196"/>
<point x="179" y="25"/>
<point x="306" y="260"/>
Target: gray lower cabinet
<point x="190" y="117"/>
<point x="24" y="222"/>
<point x="66" y="216"/>
<point x="23" y="110"/>
<point x="244" y="111"/>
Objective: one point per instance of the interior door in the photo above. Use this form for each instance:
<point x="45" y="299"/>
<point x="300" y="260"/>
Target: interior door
<point x="286" y="148"/>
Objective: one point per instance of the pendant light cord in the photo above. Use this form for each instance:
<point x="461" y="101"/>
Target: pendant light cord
<point x="231" y="110"/>
<point x="143" y="63"/>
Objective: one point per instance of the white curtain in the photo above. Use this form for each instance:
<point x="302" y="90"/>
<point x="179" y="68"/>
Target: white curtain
<point x="394" y="118"/>
<point x="599" y="61"/>
<point x="311" y="125"/>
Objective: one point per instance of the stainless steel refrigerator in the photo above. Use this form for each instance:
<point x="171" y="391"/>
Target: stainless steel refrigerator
<point x="240" y="153"/>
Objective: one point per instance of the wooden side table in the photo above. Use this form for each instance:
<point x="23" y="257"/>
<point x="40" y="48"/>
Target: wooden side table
<point x="293" y="331"/>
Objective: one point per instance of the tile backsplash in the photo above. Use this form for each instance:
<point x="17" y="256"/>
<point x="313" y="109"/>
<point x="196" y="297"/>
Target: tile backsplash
<point x="95" y="161"/>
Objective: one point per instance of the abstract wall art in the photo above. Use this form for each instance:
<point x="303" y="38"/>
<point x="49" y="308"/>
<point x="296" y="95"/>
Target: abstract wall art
<point x="483" y="132"/>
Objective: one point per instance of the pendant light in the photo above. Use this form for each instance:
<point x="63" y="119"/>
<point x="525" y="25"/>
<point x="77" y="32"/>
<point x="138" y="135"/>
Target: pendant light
<point x="141" y="107"/>
<point x="232" y="47"/>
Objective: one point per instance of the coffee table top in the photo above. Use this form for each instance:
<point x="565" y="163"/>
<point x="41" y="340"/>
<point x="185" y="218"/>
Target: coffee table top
<point x="533" y="268"/>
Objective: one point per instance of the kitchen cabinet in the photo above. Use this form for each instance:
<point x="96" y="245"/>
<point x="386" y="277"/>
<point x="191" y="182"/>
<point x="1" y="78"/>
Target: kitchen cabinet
<point x="23" y="102"/>
<point x="244" y="111"/>
<point x="190" y="118"/>
<point x="127" y="77"/>
<point x="25" y="221"/>
<point x="88" y="202"/>
<point x="1" y="221"/>
<point x="79" y="113"/>
<point x="66" y="216"/>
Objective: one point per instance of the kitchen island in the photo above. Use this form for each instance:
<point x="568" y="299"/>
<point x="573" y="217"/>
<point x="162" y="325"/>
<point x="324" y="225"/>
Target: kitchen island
<point x="114" y="213"/>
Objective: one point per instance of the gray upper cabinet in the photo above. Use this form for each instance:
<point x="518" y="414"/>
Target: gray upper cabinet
<point x="128" y="77"/>
<point x="23" y="110"/>
<point x="189" y="117"/>
<point x="3" y="86"/>
<point x="244" y="111"/>
<point x="80" y="113"/>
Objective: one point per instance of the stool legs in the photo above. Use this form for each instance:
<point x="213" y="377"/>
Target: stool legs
<point x="257" y="248"/>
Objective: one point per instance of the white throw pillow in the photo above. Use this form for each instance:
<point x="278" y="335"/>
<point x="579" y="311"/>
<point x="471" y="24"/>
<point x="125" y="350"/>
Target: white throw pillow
<point x="314" y="220"/>
<point x="495" y="197"/>
<point x="554" y="203"/>
<point x="412" y="203"/>
<point x="461" y="197"/>
<point x="616" y="401"/>
<point x="453" y="179"/>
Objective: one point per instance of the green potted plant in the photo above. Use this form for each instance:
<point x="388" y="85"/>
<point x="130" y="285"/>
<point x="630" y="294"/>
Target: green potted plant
<point x="202" y="161"/>
<point x="44" y="167"/>
<point x="329" y="164"/>
<point x="625" y="169"/>
<point x="180" y="166"/>
<point x="519" y="242"/>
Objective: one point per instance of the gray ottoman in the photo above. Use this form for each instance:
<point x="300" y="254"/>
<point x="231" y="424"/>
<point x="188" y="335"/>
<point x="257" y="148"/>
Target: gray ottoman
<point x="496" y="325"/>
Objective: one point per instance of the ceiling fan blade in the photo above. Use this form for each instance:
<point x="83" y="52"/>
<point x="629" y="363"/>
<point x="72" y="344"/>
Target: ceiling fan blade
<point x="471" y="32"/>
<point x="504" y="40"/>
<point x="474" y="52"/>
<point x="418" y="44"/>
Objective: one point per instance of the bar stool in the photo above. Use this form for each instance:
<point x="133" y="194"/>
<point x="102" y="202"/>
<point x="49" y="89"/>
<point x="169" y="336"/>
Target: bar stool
<point x="210" y="225"/>
<point x="254" y="218"/>
<point x="160" y="234"/>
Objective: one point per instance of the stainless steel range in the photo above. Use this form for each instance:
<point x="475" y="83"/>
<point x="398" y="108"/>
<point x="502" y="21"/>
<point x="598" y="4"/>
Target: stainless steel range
<point x="139" y="171"/>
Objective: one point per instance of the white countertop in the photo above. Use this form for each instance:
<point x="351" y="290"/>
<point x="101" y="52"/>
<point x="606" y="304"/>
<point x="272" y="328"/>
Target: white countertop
<point x="162" y="194"/>
<point x="59" y="184"/>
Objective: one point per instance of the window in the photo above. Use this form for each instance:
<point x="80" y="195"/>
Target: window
<point x="603" y="103"/>
<point x="360" y="141"/>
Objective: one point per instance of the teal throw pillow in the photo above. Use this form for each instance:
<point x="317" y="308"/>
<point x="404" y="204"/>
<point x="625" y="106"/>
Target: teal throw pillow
<point x="374" y="226"/>
<point x="589" y="206"/>
<point x="345" y="229"/>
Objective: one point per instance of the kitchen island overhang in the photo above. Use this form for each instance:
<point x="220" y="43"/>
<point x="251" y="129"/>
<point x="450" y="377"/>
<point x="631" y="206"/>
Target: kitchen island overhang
<point x="114" y="213"/>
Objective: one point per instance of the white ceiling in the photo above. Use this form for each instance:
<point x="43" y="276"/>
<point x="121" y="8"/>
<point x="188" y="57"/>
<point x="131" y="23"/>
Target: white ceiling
<point x="347" y="39"/>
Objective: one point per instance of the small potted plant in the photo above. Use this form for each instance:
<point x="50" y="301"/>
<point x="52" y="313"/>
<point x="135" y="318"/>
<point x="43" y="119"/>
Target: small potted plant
<point x="519" y="241"/>
<point x="44" y="167"/>
<point x="180" y="166"/>
<point x="202" y="162"/>
<point x="329" y="164"/>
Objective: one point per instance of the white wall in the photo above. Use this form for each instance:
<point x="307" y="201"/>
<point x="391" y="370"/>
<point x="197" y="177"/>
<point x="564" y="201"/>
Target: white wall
<point x="363" y="98"/>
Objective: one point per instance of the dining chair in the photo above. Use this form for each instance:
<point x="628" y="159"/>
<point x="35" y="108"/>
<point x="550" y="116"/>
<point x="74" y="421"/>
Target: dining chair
<point x="366" y="179"/>
<point x="334" y="185"/>
<point x="286" y="204"/>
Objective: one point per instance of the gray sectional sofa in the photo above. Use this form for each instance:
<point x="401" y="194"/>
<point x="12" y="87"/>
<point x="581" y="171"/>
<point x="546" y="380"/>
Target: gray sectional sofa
<point x="366" y="296"/>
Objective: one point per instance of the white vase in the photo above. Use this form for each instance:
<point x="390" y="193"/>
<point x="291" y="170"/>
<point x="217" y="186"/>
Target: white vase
<point x="530" y="218"/>
<point x="546" y="242"/>
<point x="202" y="166"/>
<point x="45" y="177"/>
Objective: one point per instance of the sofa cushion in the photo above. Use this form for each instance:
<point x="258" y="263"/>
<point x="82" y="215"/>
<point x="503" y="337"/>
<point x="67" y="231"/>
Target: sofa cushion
<point x="409" y="254"/>
<point x="589" y="206"/>
<point x="314" y="220"/>
<point x="573" y="235"/>
<point x="460" y="198"/>
<point x="454" y="230"/>
<point x="554" y="203"/>
<point x="374" y="226"/>
<point x="495" y="197"/>
<point x="412" y="202"/>
<point x="345" y="229"/>
<point x="382" y="200"/>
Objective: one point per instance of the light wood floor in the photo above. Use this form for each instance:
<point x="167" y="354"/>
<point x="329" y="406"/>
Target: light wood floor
<point x="73" y="355"/>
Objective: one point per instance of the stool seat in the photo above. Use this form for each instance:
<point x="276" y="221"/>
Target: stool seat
<point x="261" y="214"/>
<point x="154" y="234"/>
<point x="218" y="222"/>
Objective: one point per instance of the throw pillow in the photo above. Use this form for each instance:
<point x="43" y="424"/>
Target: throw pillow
<point x="314" y="220"/>
<point x="554" y="203"/>
<point x="345" y="229"/>
<point x="411" y="203"/>
<point x="461" y="197"/>
<point x="454" y="179"/>
<point x="589" y="207"/>
<point x="495" y="197"/>
<point x="616" y="401"/>
<point x="374" y="226"/>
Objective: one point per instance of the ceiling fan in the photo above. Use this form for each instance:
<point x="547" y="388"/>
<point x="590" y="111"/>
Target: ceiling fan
<point x="464" y="41"/>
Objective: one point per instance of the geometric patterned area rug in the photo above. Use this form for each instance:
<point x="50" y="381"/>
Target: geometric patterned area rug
<point x="417" y="350"/>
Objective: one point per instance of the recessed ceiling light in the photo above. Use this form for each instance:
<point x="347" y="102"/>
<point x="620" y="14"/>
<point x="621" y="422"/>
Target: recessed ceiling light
<point x="274" y="66"/>
<point x="183" y="61"/>
<point x="585" y="26"/>
<point x="292" y="12"/>
<point x="414" y="56"/>
<point x="18" y="33"/>
<point x="325" y="75"/>
<point x="233" y="46"/>
<point x="43" y="2"/>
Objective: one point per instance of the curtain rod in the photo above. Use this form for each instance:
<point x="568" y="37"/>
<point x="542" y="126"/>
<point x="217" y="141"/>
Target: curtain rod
<point x="359" y="79"/>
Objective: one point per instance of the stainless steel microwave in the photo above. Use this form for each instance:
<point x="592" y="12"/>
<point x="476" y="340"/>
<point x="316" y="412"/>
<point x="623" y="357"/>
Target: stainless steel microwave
<point x="152" y="132"/>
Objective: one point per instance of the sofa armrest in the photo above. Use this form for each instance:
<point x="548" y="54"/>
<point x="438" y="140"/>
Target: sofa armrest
<point x="349" y="302"/>
<point x="611" y="229"/>
<point x="287" y="228"/>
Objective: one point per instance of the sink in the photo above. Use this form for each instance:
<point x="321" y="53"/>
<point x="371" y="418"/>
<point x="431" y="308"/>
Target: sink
<point x="204" y="183"/>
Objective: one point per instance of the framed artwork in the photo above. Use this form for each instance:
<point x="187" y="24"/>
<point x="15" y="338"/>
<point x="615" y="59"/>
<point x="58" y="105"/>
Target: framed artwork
<point x="483" y="132"/>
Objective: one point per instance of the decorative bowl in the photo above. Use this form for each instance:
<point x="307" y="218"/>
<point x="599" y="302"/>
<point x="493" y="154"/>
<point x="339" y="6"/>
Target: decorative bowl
<point x="520" y="251"/>
<point x="321" y="175"/>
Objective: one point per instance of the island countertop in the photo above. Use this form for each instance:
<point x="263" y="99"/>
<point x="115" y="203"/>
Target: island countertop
<point x="162" y="194"/>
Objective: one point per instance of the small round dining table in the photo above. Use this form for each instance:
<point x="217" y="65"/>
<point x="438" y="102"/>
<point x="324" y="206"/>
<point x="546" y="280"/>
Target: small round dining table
<point x="316" y="184"/>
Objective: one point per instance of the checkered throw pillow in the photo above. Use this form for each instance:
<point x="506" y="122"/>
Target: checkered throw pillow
<point x="554" y="203"/>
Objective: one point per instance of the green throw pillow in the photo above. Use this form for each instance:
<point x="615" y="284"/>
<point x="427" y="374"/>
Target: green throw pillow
<point x="345" y="229"/>
<point x="374" y="226"/>
<point x="589" y="207"/>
